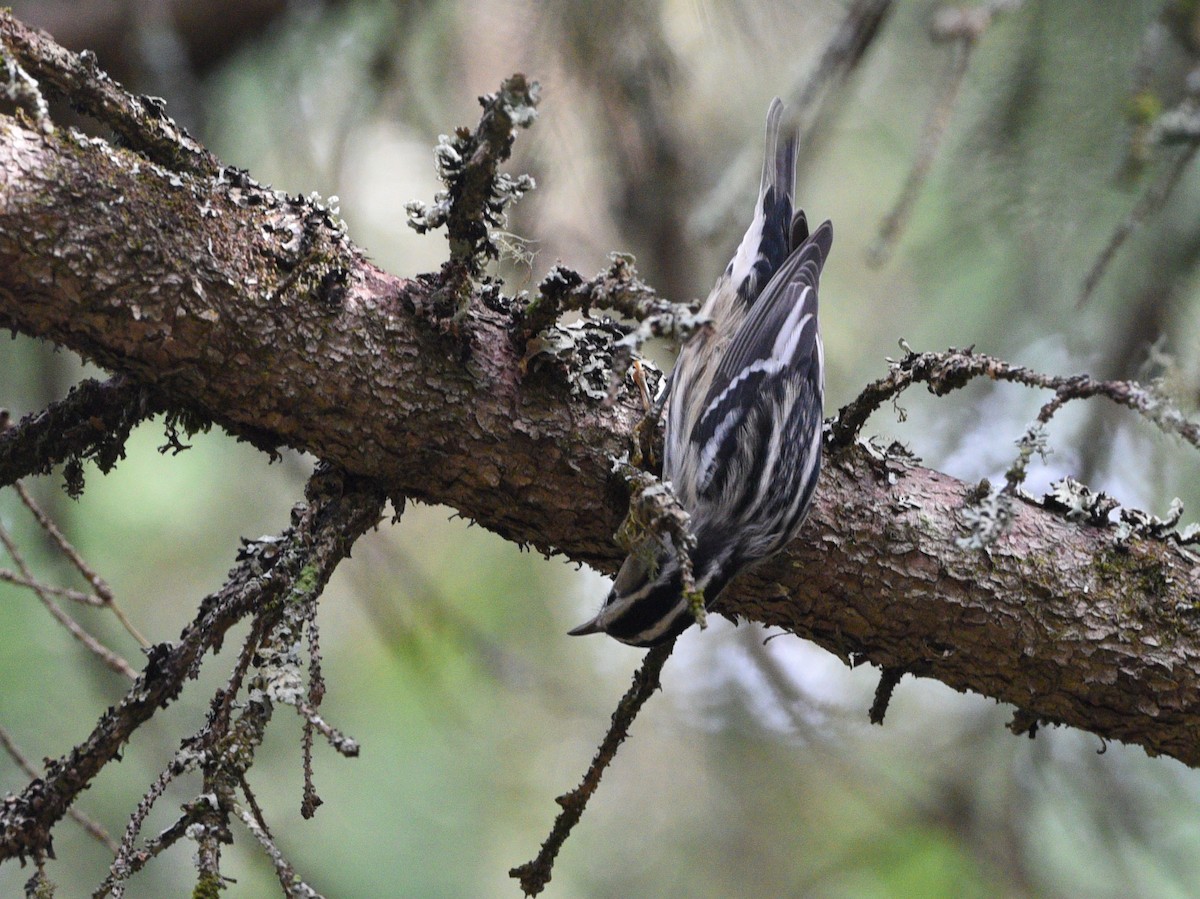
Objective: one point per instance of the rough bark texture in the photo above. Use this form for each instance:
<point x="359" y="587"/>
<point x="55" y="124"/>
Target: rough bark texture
<point x="253" y="309"/>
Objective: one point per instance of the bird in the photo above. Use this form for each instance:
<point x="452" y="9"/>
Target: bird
<point x="744" y="414"/>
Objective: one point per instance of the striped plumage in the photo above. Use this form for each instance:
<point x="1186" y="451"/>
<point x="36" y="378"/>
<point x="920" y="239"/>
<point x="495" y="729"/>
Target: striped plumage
<point x="744" y="411"/>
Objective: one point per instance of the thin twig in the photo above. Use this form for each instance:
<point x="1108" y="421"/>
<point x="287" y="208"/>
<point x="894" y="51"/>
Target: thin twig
<point x="535" y="874"/>
<point x="129" y="861"/>
<point x="340" y="509"/>
<point x="141" y="122"/>
<point x="343" y="744"/>
<point x="142" y="857"/>
<point x="93" y="422"/>
<point x="807" y="101"/>
<point x="94" y="646"/>
<point x="252" y="801"/>
<point x="103" y="591"/>
<point x="84" y="599"/>
<point x="888" y="679"/>
<point x="931" y="141"/>
<point x="316" y="692"/>
<point x="125" y="859"/>
<point x="963" y="27"/>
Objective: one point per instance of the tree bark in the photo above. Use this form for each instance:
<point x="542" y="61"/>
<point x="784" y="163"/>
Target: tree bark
<point x="255" y="310"/>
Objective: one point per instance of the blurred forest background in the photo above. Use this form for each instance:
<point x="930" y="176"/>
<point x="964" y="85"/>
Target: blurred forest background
<point x="755" y="771"/>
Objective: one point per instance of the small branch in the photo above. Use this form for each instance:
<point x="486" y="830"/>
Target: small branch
<point x="948" y="371"/>
<point x="1153" y="200"/>
<point x="292" y="885"/>
<point x="888" y="679"/>
<point x="138" y="860"/>
<point x="618" y="288"/>
<point x="126" y="861"/>
<point x="210" y="831"/>
<point x="842" y="54"/>
<point x="932" y="135"/>
<point x="316" y="692"/>
<point x="92" y="422"/>
<point x="342" y="744"/>
<point x="807" y="102"/>
<point x="987" y="513"/>
<point x="9" y="576"/>
<point x="93" y="829"/>
<point x="141" y="122"/>
<point x="477" y="193"/>
<point x="340" y="509"/>
<point x="129" y="861"/>
<point x="535" y="874"/>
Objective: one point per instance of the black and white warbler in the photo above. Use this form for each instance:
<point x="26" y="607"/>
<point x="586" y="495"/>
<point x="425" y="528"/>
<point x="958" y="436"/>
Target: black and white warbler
<point x="744" y="414"/>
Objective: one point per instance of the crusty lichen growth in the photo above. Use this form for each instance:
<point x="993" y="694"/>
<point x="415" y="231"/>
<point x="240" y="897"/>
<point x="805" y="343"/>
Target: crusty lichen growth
<point x="618" y="288"/>
<point x="477" y="193"/>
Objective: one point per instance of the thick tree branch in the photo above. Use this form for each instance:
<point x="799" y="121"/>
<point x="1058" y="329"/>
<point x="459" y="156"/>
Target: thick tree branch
<point x="254" y="309"/>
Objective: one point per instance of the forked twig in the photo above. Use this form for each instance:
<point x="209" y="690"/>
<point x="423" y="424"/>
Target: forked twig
<point x="99" y="585"/>
<point x="94" y="646"/>
<point x="954" y="368"/>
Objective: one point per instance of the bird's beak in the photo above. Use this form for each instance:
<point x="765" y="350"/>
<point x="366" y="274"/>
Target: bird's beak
<point x="588" y="627"/>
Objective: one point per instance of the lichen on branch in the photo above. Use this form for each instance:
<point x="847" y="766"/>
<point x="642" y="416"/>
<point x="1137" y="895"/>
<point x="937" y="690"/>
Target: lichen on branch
<point x="477" y="192"/>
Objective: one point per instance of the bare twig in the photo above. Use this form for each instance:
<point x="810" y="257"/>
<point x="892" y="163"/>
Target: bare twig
<point x="137" y="860"/>
<point x="292" y="885"/>
<point x="987" y="513"/>
<point x="807" y="100"/>
<point x="111" y="659"/>
<point x="888" y="679"/>
<point x="103" y="591"/>
<point x="316" y="692"/>
<point x="141" y="122"/>
<point x="84" y="599"/>
<point x="344" y="745"/>
<point x="535" y="874"/>
<point x="931" y="142"/>
<point x="842" y="54"/>
<point x="126" y="861"/>
<point x="92" y="422"/>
